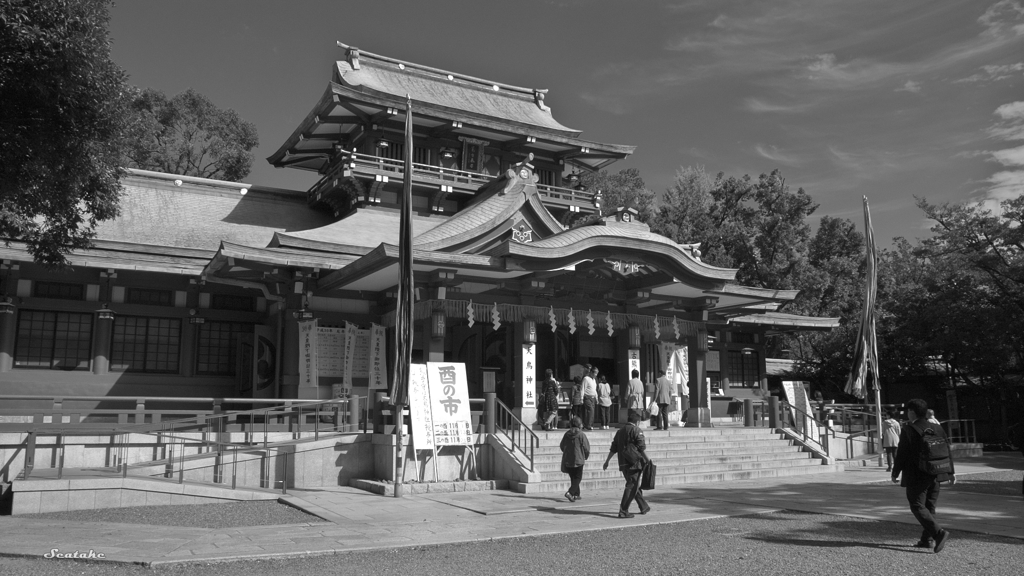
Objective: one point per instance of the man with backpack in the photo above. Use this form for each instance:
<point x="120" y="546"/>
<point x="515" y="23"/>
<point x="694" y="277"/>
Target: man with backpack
<point x="924" y="459"/>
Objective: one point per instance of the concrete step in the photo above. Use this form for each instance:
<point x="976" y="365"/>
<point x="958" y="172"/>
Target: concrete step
<point x="664" y="481"/>
<point x="746" y="446"/>
<point x="697" y="461"/>
<point x="672" y="452"/>
<point x="674" y="469"/>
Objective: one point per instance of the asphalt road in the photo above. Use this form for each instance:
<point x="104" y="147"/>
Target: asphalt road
<point x="769" y="544"/>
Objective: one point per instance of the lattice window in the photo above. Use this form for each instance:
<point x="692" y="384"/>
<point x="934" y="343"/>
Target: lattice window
<point x="150" y="297"/>
<point x="233" y="302"/>
<point x="420" y="155"/>
<point x="59" y="290"/>
<point x="145" y="344"/>
<point x="744" y="369"/>
<point x="217" y="345"/>
<point x="56" y="340"/>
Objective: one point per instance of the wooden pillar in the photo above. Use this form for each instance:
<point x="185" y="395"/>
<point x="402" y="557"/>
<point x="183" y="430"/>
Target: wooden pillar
<point x="103" y="327"/>
<point x="699" y="414"/>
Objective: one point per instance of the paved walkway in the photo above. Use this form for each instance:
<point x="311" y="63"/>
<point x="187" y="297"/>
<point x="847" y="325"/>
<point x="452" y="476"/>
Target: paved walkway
<point x="358" y="520"/>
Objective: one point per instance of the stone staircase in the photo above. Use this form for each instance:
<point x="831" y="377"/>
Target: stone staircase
<point x="683" y="456"/>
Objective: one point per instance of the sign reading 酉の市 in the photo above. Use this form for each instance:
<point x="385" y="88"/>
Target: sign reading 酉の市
<point x="449" y="403"/>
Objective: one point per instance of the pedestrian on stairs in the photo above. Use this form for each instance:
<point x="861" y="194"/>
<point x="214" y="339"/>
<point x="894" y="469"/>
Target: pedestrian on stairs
<point x="663" y="397"/>
<point x="575" y="451"/>
<point x="549" y="400"/>
<point x="576" y="398"/>
<point x="604" y="401"/>
<point x="589" y="398"/>
<point x="635" y="396"/>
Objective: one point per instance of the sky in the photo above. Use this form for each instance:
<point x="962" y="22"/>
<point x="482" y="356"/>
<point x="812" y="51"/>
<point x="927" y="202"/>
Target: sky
<point x="889" y="99"/>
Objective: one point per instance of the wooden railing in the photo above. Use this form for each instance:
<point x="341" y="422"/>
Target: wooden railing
<point x="436" y="174"/>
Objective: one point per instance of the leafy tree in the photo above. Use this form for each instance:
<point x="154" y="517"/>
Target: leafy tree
<point x="62" y="121"/>
<point x="189" y="135"/>
<point x="684" y="214"/>
<point x="759" y="227"/>
<point x="625" y="188"/>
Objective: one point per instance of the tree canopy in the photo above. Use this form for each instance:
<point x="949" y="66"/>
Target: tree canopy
<point x="187" y="134"/>
<point x="62" y="124"/>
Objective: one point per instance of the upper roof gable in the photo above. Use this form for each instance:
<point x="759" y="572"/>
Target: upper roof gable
<point x="366" y="71"/>
<point x="506" y="207"/>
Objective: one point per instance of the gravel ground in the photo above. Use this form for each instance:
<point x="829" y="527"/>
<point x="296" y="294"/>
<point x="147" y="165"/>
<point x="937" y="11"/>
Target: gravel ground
<point x="1004" y="482"/>
<point x="230" y="515"/>
<point x="765" y="544"/>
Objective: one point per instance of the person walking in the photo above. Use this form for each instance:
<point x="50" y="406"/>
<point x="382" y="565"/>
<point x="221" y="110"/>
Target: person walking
<point x="635" y="396"/>
<point x="575" y="451"/>
<point x="576" y="397"/>
<point x="549" y="400"/>
<point x="663" y="397"/>
<point x="604" y="401"/>
<point x="922" y="486"/>
<point x="589" y="398"/>
<point x="630" y="447"/>
<point x="890" y="438"/>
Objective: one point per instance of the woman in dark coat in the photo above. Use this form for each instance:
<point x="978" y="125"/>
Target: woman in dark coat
<point x="575" y="451"/>
<point x="549" y="400"/>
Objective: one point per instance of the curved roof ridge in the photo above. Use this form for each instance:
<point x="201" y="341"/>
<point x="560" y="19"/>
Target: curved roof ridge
<point x="358" y="54"/>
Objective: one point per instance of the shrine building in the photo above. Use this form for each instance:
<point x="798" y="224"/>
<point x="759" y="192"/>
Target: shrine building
<point x="202" y="288"/>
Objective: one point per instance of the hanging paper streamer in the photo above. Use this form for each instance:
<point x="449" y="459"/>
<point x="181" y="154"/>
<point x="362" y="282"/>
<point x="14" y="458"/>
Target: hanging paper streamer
<point x="495" y="317"/>
<point x="657" y="328"/>
<point x="572" y="322"/>
<point x="551" y="317"/>
<point x="675" y="327"/>
<point x="608" y="323"/>
<point x="590" y="322"/>
<point x="470" y="315"/>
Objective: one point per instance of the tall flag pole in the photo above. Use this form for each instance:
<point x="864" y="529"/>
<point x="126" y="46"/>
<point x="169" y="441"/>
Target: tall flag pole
<point x="865" y="355"/>
<point x="403" y="311"/>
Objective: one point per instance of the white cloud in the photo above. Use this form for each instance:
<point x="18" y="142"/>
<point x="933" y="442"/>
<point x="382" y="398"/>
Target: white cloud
<point x="1005" y="185"/>
<point x="760" y="106"/>
<point x="1011" y="110"/>
<point x="774" y="154"/>
<point x="910" y="86"/>
<point x="1010" y="156"/>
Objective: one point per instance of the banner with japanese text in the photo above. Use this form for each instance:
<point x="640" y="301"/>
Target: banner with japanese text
<point x="378" y="373"/>
<point x="449" y="403"/>
<point x="330" y="347"/>
<point x="419" y="408"/>
<point x="529" y="376"/>
<point x="350" y="353"/>
<point x="308" y="357"/>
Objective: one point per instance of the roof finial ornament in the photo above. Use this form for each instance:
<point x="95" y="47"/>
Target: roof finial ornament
<point x="538" y="96"/>
<point x="523" y="170"/>
<point x="352" y="54"/>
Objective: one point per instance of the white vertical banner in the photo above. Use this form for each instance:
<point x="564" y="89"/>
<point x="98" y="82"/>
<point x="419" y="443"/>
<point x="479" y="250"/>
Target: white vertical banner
<point x="264" y="362"/>
<point x="529" y="379"/>
<point x="449" y="403"/>
<point x="308" y="357"/>
<point x="634" y="361"/>
<point x="350" y="353"/>
<point x="419" y="408"/>
<point x="378" y="372"/>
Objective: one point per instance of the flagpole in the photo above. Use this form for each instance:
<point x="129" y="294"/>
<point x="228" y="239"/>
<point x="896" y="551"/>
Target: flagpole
<point x="872" y="257"/>
<point x="404" y="309"/>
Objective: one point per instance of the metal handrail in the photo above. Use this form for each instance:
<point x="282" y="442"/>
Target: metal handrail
<point x="823" y="445"/>
<point x="516" y="431"/>
<point x="960" y="430"/>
